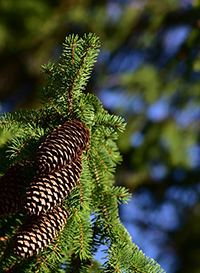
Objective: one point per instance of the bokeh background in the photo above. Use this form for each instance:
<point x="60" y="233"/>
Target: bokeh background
<point x="148" y="71"/>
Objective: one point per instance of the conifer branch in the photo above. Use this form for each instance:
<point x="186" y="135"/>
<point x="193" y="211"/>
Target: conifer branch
<point x="104" y="209"/>
<point x="96" y="174"/>
<point x="71" y="141"/>
<point x="81" y="234"/>
<point x="101" y="160"/>
<point x="70" y="92"/>
<point x="53" y="105"/>
<point x="25" y="142"/>
<point x="80" y="193"/>
<point x="108" y="149"/>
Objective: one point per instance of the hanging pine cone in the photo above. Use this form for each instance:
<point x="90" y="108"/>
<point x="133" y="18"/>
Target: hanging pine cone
<point x="64" y="145"/>
<point x="39" y="231"/>
<point x="10" y="200"/>
<point x="48" y="190"/>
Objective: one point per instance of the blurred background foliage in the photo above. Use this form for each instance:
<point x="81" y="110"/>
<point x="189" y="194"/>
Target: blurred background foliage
<point x="148" y="71"/>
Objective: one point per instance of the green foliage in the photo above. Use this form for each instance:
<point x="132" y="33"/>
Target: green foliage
<point x="25" y="28"/>
<point x="93" y="204"/>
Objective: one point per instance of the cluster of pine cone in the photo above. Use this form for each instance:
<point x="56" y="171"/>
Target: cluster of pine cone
<point x="59" y="167"/>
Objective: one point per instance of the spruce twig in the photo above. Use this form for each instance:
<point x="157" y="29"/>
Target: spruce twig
<point x="86" y="192"/>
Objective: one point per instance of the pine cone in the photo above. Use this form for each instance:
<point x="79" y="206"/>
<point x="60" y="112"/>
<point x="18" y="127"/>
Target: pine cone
<point x="39" y="231"/>
<point x="10" y="200"/>
<point x="63" y="146"/>
<point x="48" y="190"/>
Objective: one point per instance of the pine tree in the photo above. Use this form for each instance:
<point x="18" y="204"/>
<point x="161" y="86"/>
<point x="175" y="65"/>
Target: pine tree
<point x="68" y="201"/>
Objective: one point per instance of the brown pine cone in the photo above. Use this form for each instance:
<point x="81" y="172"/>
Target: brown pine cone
<point x="64" y="145"/>
<point x="39" y="230"/>
<point x="49" y="189"/>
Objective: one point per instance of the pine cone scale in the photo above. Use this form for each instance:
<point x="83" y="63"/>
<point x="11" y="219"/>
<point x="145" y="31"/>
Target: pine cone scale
<point x="39" y="231"/>
<point x="66" y="142"/>
<point x="48" y="190"/>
